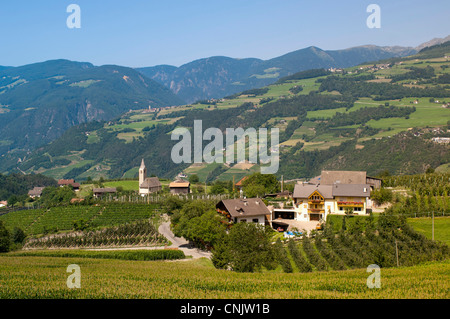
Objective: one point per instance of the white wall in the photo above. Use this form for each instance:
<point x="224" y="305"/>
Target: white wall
<point x="249" y="219"/>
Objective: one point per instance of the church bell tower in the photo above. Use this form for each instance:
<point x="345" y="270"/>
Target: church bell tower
<point x="142" y="173"/>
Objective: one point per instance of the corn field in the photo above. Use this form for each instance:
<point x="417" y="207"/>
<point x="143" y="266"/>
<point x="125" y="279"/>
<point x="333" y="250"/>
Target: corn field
<point x="44" y="277"/>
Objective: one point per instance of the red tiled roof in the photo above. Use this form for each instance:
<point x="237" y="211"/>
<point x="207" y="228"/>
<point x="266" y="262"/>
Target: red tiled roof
<point x="66" y="181"/>
<point x="240" y="182"/>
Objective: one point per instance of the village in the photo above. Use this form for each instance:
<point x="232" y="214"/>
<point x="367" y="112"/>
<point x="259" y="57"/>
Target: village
<point x="306" y="208"/>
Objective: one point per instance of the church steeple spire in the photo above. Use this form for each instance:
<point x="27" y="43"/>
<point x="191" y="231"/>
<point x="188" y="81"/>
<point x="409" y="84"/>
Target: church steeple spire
<point x="142" y="173"/>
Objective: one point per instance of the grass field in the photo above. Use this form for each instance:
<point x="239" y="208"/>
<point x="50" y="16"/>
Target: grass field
<point x="441" y="227"/>
<point x="40" y="277"/>
<point x="126" y="185"/>
<point x="444" y="168"/>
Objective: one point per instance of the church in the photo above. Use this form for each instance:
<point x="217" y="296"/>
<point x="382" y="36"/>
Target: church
<point x="147" y="185"/>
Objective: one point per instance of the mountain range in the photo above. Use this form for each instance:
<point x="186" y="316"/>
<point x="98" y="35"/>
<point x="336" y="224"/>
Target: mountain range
<point x="219" y="76"/>
<point x="38" y="102"/>
<point x="368" y="117"/>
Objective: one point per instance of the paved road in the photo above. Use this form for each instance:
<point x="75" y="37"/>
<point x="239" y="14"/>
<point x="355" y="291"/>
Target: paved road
<point x="179" y="242"/>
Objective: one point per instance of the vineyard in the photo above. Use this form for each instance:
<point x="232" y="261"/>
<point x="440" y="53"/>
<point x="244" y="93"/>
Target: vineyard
<point x="142" y="255"/>
<point x="359" y="247"/>
<point x="423" y="184"/>
<point x="428" y="193"/>
<point x="73" y="217"/>
<point x="141" y="233"/>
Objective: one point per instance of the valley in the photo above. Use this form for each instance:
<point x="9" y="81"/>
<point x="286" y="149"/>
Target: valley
<point x="323" y="119"/>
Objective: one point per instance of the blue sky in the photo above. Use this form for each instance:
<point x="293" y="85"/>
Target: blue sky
<point x="139" y="33"/>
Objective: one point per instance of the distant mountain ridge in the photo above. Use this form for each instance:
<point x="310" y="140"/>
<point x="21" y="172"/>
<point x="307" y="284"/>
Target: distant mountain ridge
<point x="38" y="102"/>
<point x="386" y="130"/>
<point x="219" y="76"/>
<point x="433" y="42"/>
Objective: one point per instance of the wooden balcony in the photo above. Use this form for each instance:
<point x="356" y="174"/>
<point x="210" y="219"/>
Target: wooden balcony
<point x="350" y="204"/>
<point x="316" y="211"/>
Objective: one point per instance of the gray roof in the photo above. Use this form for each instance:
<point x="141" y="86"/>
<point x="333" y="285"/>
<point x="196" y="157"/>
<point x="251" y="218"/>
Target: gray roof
<point x="350" y="190"/>
<point x="330" y="191"/>
<point x="245" y="207"/>
<point x="305" y="190"/>
<point x="150" y="182"/>
<point x="37" y="191"/>
<point x="342" y="177"/>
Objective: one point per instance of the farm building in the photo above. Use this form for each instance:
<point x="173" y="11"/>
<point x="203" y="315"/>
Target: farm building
<point x="244" y="210"/>
<point x="69" y="182"/>
<point x="347" y="177"/>
<point x="99" y="192"/>
<point x="147" y="185"/>
<point x="180" y="187"/>
<point x="36" y="192"/>
<point x="239" y="185"/>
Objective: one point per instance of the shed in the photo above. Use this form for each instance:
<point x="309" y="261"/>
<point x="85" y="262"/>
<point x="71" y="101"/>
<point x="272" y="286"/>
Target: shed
<point x="180" y="187"/>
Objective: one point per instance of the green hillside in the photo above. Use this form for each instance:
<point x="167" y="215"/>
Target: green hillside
<point x="49" y="97"/>
<point x="374" y="117"/>
<point x="218" y="76"/>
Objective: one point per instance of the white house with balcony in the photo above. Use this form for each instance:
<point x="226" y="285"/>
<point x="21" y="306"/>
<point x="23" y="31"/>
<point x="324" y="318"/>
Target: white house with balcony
<point x="315" y="202"/>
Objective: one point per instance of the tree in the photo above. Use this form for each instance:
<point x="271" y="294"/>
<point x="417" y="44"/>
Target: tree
<point x="193" y="179"/>
<point x="370" y="223"/>
<point x="80" y="225"/>
<point x="5" y="241"/>
<point x="221" y="187"/>
<point x="57" y="195"/>
<point x="250" y="247"/>
<point x="381" y="196"/>
<point x="12" y="200"/>
<point x="205" y="230"/>
<point x="221" y="256"/>
<point x="18" y="235"/>
<point x="259" y="184"/>
<point x="255" y="191"/>
<point x="172" y="204"/>
<point x="188" y="211"/>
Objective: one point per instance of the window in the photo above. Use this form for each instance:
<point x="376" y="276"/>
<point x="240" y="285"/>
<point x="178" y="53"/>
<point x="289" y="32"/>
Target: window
<point x="357" y="209"/>
<point x="243" y="220"/>
<point x="255" y="220"/>
<point x="341" y="208"/>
